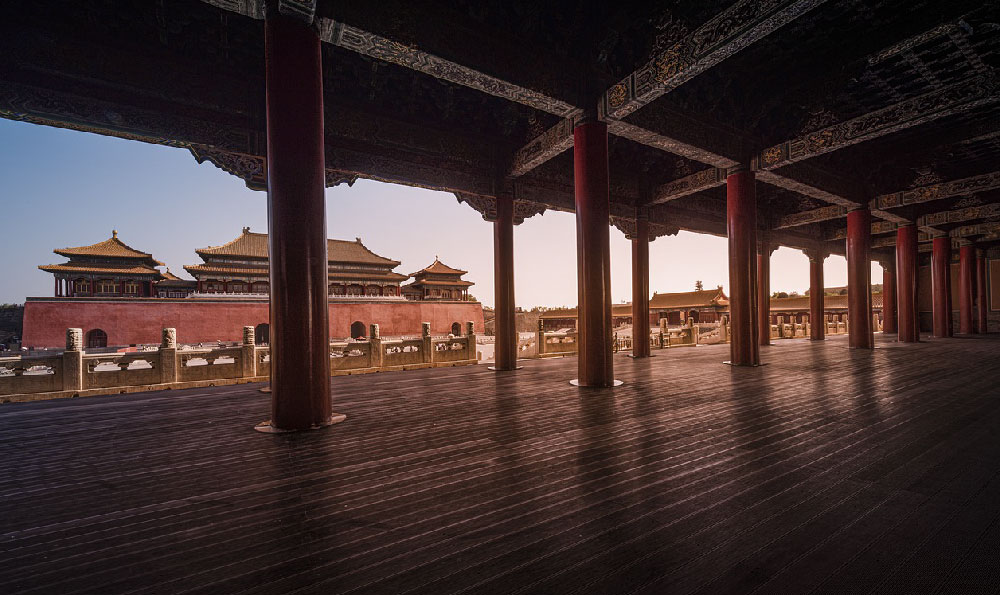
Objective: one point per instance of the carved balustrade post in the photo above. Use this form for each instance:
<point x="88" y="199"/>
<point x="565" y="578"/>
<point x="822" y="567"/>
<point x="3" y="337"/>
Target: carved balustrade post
<point x="248" y="352"/>
<point x="73" y="360"/>
<point x="377" y="356"/>
<point x="470" y="334"/>
<point x="168" y="356"/>
<point x="427" y="345"/>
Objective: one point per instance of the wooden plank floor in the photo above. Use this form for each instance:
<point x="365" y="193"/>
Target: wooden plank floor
<point x="826" y="471"/>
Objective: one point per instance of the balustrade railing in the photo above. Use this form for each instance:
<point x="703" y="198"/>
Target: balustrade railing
<point x="75" y="372"/>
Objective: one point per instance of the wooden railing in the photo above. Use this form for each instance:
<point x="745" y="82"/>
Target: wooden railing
<point x="76" y="373"/>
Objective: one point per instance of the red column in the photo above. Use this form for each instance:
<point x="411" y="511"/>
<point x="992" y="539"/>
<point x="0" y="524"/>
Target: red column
<point x="640" y="288"/>
<point x="966" y="287"/>
<point x="906" y="284"/>
<point x="764" y="293"/>
<point x="300" y="359"/>
<point x="889" y="317"/>
<point x="503" y="285"/>
<point x="941" y="286"/>
<point x="859" y="279"/>
<point x="55" y="287"/>
<point x="817" y="305"/>
<point x="981" y="305"/>
<point x="593" y="254"/>
<point x="741" y="227"/>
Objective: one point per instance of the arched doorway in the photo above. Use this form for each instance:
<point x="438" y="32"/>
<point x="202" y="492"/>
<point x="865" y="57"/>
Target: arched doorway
<point x="456" y="329"/>
<point x="357" y="329"/>
<point x="96" y="338"/>
<point x="262" y="333"/>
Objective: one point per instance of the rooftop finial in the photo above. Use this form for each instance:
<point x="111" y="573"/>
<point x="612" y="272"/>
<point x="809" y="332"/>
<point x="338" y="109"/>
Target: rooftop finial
<point x="246" y="230"/>
<point x="114" y="234"/>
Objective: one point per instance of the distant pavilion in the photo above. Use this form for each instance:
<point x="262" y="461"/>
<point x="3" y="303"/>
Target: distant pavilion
<point x="110" y="268"/>
<point x="437" y="281"/>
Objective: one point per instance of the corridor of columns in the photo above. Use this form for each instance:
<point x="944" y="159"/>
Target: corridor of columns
<point x="836" y="464"/>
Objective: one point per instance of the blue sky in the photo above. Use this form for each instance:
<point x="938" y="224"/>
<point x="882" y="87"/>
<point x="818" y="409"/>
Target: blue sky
<point x="62" y="188"/>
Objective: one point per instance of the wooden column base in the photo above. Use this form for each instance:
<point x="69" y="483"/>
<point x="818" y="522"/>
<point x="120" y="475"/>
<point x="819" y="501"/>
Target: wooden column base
<point x="266" y="427"/>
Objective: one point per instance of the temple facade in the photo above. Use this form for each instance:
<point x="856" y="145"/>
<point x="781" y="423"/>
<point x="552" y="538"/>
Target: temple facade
<point x="437" y="281"/>
<point x="241" y="267"/>
<point x="106" y="269"/>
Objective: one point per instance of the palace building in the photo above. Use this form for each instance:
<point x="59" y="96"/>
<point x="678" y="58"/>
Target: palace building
<point x="241" y="267"/>
<point x="105" y="269"/>
<point x="437" y="281"/>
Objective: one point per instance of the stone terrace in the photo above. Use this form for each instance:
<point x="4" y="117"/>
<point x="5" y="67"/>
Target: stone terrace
<point x="829" y="470"/>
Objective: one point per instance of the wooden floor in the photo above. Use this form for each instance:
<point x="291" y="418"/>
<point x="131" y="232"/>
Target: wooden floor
<point x="826" y="471"/>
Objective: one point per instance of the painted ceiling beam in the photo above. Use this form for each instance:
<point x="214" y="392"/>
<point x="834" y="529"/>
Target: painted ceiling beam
<point x="725" y="35"/>
<point x="878" y="228"/>
<point x="813" y="216"/>
<point x="960" y="97"/>
<point x="938" y="191"/>
<point x="960" y="215"/>
<point x="712" y="177"/>
<point x="979" y="229"/>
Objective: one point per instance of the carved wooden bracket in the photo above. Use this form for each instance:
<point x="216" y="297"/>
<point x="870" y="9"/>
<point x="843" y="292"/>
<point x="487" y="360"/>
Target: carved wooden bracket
<point x="487" y="206"/>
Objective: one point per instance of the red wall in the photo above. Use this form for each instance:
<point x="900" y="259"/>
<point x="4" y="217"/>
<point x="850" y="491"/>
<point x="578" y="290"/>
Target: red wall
<point x="132" y="321"/>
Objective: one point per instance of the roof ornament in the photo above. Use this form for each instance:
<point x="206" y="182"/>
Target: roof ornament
<point x="246" y="230"/>
<point x="114" y="234"/>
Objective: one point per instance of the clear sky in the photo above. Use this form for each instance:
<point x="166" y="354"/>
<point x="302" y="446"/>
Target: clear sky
<point x="61" y="188"/>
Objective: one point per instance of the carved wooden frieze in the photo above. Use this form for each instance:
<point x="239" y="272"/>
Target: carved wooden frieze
<point x="974" y="92"/>
<point x="712" y="177"/>
<point x="727" y="33"/>
<point x="878" y="228"/>
<point x="960" y="215"/>
<point x="924" y="194"/>
<point x="783" y="181"/>
<point x="813" y="216"/>
<point x="336" y="178"/>
<point x="666" y="143"/>
<point x="549" y="144"/>
<point x="980" y="229"/>
<point x="380" y="48"/>
<point x="249" y="8"/>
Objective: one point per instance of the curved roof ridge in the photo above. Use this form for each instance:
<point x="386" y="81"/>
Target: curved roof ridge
<point x="111" y="247"/>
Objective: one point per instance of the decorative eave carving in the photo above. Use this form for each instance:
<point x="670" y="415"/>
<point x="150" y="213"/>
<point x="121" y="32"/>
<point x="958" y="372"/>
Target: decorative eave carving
<point x="487" y="206"/>
<point x="336" y="178"/>
<point x="252" y="169"/>
<point x="960" y="215"/>
<point x="303" y="10"/>
<point x="627" y="225"/>
<point x="878" y="228"/>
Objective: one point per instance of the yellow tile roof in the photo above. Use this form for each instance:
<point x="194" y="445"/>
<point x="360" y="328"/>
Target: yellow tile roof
<point x="439" y="268"/>
<point x="108" y="269"/>
<point x="111" y="247"/>
<point x="255" y="245"/>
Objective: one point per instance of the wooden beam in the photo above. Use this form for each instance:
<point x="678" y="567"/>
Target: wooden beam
<point x="549" y="144"/>
<point x="963" y="96"/>
<point x="813" y="216"/>
<point x="878" y="228"/>
<point x="783" y="181"/>
<point x="933" y="192"/>
<point x="669" y="144"/>
<point x="960" y="215"/>
<point x="726" y="34"/>
<point x="380" y="48"/>
<point x="979" y="229"/>
<point x="712" y="177"/>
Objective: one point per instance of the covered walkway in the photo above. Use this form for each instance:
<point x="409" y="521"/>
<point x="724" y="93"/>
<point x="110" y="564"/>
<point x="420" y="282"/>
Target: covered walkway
<point x="830" y="470"/>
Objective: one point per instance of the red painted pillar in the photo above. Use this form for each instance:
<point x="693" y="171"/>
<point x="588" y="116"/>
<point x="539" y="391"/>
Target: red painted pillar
<point x="764" y="292"/>
<point x="859" y="279"/>
<point x="941" y="286"/>
<point x="889" y="317"/>
<point x="55" y="287"/>
<point x="300" y="359"/>
<point x="593" y="253"/>
<point x="966" y="287"/>
<point x="817" y="305"/>
<point x="981" y="306"/>
<point x="906" y="284"/>
<point x="741" y="228"/>
<point x="503" y="284"/>
<point x="640" y="288"/>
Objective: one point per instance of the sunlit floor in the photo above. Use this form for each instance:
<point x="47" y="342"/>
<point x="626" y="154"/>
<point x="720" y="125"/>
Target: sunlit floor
<point x="827" y="470"/>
